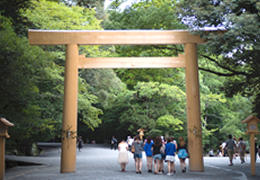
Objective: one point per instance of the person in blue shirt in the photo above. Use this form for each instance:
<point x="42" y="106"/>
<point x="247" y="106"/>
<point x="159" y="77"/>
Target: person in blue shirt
<point x="148" y="152"/>
<point x="170" y="149"/>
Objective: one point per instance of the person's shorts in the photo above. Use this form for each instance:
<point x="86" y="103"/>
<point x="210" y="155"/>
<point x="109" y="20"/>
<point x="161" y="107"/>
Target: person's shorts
<point x="231" y="153"/>
<point x="138" y="155"/>
<point x="170" y="158"/>
<point x="157" y="156"/>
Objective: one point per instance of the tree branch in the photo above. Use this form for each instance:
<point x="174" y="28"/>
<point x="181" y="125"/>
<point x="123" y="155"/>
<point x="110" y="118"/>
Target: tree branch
<point x="219" y="73"/>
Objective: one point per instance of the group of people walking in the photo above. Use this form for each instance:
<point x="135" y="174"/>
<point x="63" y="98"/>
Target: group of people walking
<point x="157" y="151"/>
<point x="233" y="147"/>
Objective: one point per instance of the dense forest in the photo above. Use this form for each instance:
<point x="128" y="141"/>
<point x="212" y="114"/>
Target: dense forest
<point x="120" y="101"/>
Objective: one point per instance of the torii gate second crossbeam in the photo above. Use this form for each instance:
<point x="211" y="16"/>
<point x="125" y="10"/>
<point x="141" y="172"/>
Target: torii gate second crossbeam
<point x="74" y="61"/>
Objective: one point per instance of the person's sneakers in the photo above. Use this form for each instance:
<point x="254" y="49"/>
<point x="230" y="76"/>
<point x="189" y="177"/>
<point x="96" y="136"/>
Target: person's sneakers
<point x="160" y="172"/>
<point x="163" y="171"/>
<point x="168" y="174"/>
<point x="242" y="162"/>
<point x="231" y="164"/>
<point x="140" y="172"/>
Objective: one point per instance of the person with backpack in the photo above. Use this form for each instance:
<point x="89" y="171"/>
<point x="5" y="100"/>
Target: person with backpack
<point x="182" y="153"/>
<point x="241" y="149"/>
<point x="230" y="145"/>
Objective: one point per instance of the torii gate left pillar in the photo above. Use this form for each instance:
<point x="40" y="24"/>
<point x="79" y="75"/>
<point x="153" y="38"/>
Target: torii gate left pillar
<point x="70" y="108"/>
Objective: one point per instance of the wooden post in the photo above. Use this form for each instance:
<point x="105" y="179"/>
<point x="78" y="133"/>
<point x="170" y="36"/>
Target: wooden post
<point x="68" y="153"/>
<point x="252" y="153"/>
<point x="252" y="130"/>
<point x="193" y="109"/>
<point x="2" y="157"/>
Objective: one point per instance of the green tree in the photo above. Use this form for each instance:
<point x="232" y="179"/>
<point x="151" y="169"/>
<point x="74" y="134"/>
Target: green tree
<point x="158" y="108"/>
<point x="11" y="9"/>
<point x="52" y="15"/>
<point x="32" y="77"/>
<point x="236" y="51"/>
<point x="153" y="16"/>
<point x="22" y="67"/>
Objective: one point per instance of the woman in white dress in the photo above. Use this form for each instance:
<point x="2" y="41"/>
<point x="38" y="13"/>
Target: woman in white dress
<point x="123" y="154"/>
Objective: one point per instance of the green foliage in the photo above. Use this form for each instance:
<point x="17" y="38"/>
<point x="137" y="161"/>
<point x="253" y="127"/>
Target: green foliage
<point x="161" y="17"/>
<point x="169" y="121"/>
<point x="158" y="108"/>
<point x="145" y="4"/>
<point x="52" y="15"/>
<point x="11" y="9"/>
<point x="22" y="68"/>
<point x="236" y="51"/>
<point x="32" y="77"/>
<point x="152" y="17"/>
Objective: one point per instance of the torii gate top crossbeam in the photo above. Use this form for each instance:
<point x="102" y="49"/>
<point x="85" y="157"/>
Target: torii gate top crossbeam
<point x="112" y="37"/>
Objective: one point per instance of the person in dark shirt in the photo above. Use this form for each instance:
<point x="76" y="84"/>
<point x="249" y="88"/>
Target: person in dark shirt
<point x="80" y="143"/>
<point x="256" y="149"/>
<point x="113" y="143"/>
<point x="157" y="149"/>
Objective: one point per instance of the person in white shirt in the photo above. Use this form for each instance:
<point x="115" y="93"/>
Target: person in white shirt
<point x="223" y="145"/>
<point x="129" y="141"/>
<point x="123" y="155"/>
<point x="211" y="154"/>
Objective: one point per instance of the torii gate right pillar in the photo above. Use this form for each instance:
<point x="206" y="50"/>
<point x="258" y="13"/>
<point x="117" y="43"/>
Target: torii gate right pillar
<point x="193" y="109"/>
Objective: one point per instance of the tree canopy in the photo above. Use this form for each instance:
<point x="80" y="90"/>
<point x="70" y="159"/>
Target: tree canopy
<point x="236" y="49"/>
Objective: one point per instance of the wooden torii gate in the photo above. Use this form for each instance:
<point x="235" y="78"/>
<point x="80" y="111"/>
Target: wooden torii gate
<point x="73" y="38"/>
